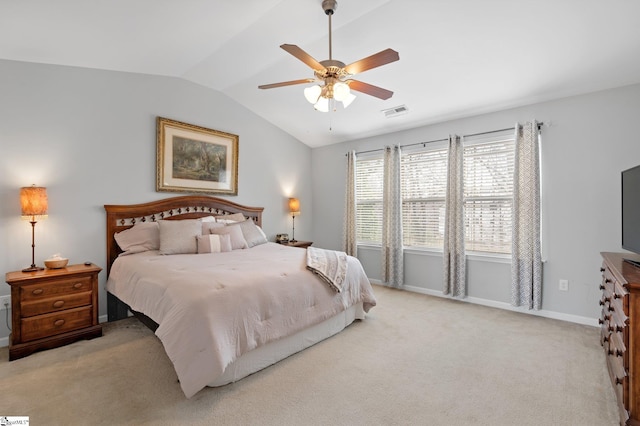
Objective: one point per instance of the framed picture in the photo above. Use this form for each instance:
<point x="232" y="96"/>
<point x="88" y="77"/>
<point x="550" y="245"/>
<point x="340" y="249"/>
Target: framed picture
<point x="195" y="159"/>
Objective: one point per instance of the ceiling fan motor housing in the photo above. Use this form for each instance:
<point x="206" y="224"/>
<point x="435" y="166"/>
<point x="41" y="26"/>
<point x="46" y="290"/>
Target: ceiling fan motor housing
<point x="329" y="6"/>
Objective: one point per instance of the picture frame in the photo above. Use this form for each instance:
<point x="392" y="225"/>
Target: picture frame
<point x="195" y="159"/>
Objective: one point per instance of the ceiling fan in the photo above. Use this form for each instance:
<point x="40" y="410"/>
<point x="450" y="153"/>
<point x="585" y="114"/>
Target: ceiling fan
<point x="335" y="75"/>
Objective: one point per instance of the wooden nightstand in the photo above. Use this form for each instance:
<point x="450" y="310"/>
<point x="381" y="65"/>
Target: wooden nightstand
<point x="301" y="244"/>
<point x="52" y="308"/>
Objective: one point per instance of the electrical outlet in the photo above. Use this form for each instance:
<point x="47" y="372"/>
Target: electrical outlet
<point x="3" y="300"/>
<point x="563" y="285"/>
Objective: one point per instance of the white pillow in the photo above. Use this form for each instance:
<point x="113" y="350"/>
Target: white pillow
<point x="252" y="233"/>
<point x="179" y="236"/>
<point x="213" y="243"/>
<point x="234" y="231"/>
<point x="230" y="218"/>
<point x="206" y="226"/>
<point x="140" y="237"/>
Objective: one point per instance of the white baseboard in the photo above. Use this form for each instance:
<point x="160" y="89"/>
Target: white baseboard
<point x="506" y="306"/>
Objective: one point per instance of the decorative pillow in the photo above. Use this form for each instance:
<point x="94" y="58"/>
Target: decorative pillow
<point x="229" y="218"/>
<point x="206" y="226"/>
<point x="140" y="237"/>
<point x="214" y="243"/>
<point x="179" y="236"/>
<point x="234" y="231"/>
<point x="252" y="234"/>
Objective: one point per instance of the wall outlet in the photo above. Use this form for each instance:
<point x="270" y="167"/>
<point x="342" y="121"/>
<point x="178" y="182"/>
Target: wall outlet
<point x="3" y="300"/>
<point x="563" y="285"/>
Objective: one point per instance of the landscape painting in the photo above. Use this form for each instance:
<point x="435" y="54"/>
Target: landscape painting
<point x="195" y="159"/>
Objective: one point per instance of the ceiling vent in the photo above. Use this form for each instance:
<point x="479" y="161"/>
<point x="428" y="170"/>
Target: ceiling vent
<point x="395" y="111"/>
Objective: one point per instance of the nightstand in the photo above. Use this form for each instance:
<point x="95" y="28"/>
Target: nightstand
<point x="301" y="244"/>
<point x="52" y="308"/>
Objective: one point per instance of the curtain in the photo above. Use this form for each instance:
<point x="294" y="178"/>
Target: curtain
<point x="392" y="256"/>
<point x="350" y="245"/>
<point x="526" y="259"/>
<point x="453" y="253"/>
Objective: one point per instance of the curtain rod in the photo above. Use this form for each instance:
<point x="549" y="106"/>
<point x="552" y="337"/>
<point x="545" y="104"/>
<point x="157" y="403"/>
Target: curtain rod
<point x="446" y="139"/>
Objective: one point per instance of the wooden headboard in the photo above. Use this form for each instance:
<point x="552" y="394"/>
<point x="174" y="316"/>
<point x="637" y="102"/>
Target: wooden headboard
<point x="121" y="217"/>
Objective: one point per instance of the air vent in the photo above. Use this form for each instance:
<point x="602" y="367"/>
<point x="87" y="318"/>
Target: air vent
<point x="395" y="111"/>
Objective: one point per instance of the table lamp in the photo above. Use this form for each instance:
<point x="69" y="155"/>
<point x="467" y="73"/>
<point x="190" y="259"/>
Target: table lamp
<point x="33" y="200"/>
<point x="294" y="209"/>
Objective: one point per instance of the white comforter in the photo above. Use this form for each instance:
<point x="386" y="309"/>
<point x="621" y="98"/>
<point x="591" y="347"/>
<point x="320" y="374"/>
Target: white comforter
<point x="212" y="308"/>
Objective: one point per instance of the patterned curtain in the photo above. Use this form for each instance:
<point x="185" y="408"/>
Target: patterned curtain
<point x="454" y="255"/>
<point x="349" y="244"/>
<point x="526" y="260"/>
<point x="392" y="256"/>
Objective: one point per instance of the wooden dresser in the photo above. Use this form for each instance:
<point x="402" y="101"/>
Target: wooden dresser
<point x="53" y="307"/>
<point x="620" y="331"/>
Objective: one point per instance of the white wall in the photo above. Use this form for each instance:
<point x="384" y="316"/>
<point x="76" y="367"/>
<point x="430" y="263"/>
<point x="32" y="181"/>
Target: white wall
<point x="592" y="138"/>
<point x="89" y="137"/>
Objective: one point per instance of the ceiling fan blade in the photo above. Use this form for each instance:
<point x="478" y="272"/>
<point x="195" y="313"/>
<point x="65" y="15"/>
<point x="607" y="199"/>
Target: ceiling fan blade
<point x="378" y="59"/>
<point x="369" y="89"/>
<point x="286" y="83"/>
<point x="303" y="56"/>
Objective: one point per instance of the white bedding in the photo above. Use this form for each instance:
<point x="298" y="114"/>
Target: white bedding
<point x="213" y="308"/>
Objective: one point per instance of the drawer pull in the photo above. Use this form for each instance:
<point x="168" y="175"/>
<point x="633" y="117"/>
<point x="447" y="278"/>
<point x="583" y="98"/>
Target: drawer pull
<point x="58" y="304"/>
<point x="58" y="322"/>
<point x="37" y="291"/>
<point x="77" y="285"/>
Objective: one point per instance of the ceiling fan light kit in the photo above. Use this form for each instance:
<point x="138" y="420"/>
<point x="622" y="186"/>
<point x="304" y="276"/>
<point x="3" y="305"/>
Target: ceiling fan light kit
<point x="334" y="77"/>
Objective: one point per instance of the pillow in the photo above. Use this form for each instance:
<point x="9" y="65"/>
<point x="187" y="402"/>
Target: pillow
<point x="213" y="243"/>
<point x="252" y="234"/>
<point x="206" y="226"/>
<point x="235" y="233"/>
<point x="179" y="236"/>
<point x="208" y="219"/>
<point x="140" y="237"/>
<point x="230" y="218"/>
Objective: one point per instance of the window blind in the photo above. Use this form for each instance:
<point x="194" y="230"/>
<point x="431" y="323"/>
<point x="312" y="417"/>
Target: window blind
<point x="369" y="180"/>
<point x="424" y="183"/>
<point x="488" y="195"/>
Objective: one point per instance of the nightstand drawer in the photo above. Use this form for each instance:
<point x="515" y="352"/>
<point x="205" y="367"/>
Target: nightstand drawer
<point x="56" y="287"/>
<point x="54" y="304"/>
<point x="55" y="323"/>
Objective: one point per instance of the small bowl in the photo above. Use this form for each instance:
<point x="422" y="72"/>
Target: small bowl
<point x="56" y="263"/>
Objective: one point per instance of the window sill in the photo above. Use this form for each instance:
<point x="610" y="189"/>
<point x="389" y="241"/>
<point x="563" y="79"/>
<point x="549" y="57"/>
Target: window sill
<point x="473" y="256"/>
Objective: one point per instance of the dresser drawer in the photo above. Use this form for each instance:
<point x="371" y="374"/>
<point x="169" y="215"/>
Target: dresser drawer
<point x="54" y="304"/>
<point x="55" y="323"/>
<point x="52" y="288"/>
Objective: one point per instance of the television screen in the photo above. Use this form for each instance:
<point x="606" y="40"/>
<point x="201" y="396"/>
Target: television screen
<point x="631" y="209"/>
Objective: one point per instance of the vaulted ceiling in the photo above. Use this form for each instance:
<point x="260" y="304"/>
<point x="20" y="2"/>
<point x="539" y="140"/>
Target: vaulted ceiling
<point x="457" y="57"/>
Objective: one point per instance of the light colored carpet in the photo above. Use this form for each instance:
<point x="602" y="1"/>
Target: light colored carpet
<point x="415" y="360"/>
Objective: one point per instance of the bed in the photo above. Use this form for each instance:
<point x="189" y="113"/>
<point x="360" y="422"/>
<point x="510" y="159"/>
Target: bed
<point x="226" y="314"/>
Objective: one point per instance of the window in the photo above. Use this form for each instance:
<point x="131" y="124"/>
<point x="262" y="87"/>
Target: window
<point x="488" y="196"/>
<point x="424" y="184"/>
<point x="369" y="174"/>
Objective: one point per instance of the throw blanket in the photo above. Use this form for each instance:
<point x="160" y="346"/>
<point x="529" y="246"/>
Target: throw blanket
<point x="329" y="265"/>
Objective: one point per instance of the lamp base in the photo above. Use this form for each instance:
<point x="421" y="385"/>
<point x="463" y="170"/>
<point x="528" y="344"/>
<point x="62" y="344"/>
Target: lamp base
<point x="33" y="268"/>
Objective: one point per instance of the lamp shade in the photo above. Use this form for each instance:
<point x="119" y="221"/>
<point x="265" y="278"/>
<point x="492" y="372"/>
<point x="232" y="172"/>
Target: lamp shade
<point x="33" y="200"/>
<point x="294" y="206"/>
<point x="312" y="93"/>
